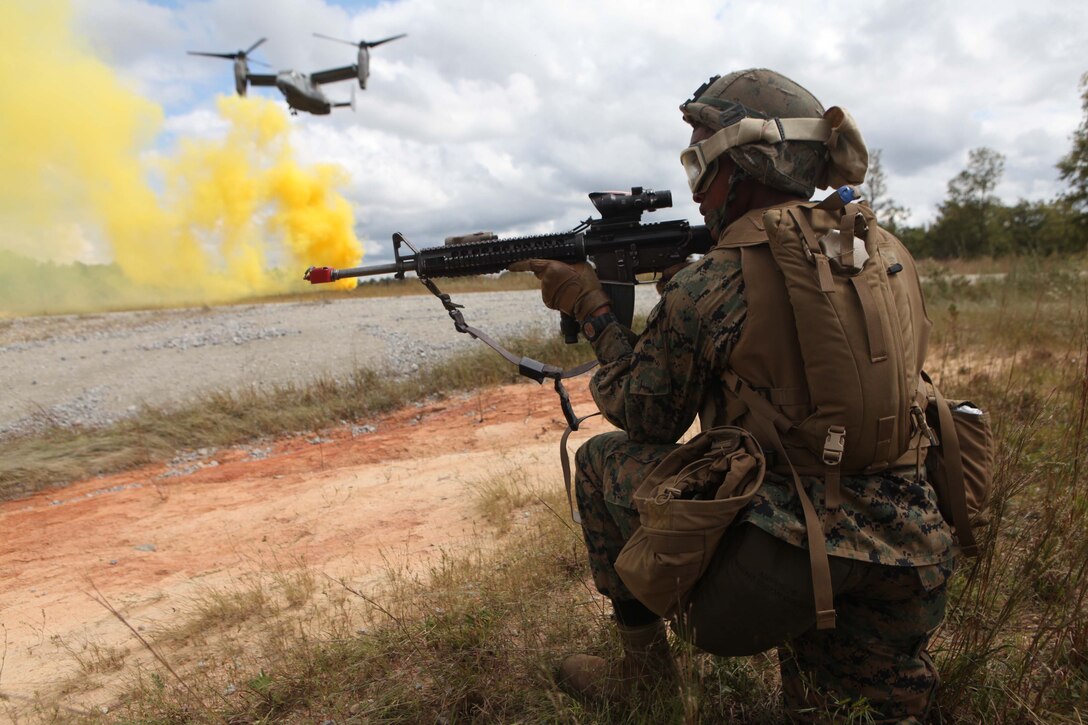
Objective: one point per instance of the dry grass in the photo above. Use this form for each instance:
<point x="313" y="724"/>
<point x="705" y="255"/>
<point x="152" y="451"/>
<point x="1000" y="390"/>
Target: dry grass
<point x="504" y="491"/>
<point x="477" y="637"/>
<point x="1014" y="648"/>
<point x="937" y="268"/>
<point x="59" y="455"/>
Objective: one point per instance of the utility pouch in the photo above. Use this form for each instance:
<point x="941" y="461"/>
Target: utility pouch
<point x="961" y="466"/>
<point x="685" y="505"/>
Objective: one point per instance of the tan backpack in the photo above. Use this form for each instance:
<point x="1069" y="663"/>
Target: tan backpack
<point x="828" y="376"/>
<point x="862" y="330"/>
<point x="852" y="357"/>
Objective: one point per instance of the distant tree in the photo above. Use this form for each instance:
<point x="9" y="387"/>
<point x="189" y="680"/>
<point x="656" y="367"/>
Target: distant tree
<point x="974" y="186"/>
<point x="917" y="240"/>
<point x="1042" y="227"/>
<point x="967" y="224"/>
<point x="1074" y="166"/>
<point x="889" y="215"/>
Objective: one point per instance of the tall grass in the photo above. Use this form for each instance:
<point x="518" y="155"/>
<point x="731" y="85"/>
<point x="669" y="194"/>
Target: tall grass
<point x="1015" y="647"/>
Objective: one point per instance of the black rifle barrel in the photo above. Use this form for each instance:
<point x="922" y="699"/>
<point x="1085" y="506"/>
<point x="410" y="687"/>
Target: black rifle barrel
<point x="391" y="268"/>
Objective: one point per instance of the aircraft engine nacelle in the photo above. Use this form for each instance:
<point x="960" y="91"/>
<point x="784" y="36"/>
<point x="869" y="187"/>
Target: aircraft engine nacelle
<point x="241" y="73"/>
<point x="364" y="65"/>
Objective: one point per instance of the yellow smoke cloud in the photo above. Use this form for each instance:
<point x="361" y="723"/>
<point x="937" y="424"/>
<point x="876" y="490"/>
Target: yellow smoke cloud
<point x="224" y="214"/>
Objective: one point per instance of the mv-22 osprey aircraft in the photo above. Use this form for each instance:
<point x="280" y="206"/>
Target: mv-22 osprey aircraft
<point x="303" y="90"/>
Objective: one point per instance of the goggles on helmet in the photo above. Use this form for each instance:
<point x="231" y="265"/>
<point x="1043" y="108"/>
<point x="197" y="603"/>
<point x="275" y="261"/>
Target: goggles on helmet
<point x="700" y="170"/>
<point x="700" y="160"/>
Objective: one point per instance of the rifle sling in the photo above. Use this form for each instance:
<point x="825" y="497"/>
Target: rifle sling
<point x="564" y="459"/>
<point x="533" y="369"/>
<point x="527" y="366"/>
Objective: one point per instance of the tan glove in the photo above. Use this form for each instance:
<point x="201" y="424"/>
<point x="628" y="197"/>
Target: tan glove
<point x="570" y="288"/>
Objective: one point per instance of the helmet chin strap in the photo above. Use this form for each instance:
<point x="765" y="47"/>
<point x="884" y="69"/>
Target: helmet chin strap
<point x="718" y="219"/>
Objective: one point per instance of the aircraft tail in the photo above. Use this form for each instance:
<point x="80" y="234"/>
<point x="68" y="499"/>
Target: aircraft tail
<point x="347" y="104"/>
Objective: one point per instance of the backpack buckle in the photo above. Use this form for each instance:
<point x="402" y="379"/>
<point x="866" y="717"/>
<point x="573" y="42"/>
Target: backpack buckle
<point x="921" y="425"/>
<point x="834" y="445"/>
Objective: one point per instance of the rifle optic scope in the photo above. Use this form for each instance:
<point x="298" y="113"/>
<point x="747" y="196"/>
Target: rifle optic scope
<point x="621" y="204"/>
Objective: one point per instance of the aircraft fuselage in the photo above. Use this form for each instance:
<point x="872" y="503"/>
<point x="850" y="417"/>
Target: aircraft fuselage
<point x="302" y="93"/>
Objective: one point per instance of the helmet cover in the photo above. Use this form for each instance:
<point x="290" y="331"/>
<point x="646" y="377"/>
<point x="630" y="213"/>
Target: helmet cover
<point x="792" y="166"/>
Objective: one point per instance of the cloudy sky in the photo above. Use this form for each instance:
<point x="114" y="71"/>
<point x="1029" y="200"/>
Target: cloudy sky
<point x="503" y="115"/>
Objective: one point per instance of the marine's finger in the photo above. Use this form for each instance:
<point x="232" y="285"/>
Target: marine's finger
<point x="522" y="265"/>
<point x="540" y="266"/>
<point x="536" y="266"/>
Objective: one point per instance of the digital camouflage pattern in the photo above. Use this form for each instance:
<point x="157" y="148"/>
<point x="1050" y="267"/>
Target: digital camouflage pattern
<point x="874" y="661"/>
<point x="654" y="385"/>
<point x="609" y="469"/>
<point x="793" y="166"/>
<point x="886" y="614"/>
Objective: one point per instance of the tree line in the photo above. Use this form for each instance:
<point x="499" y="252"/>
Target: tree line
<point x="973" y="222"/>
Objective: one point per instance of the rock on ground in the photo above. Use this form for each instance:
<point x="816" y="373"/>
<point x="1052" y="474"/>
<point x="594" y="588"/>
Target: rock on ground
<point x="94" y="369"/>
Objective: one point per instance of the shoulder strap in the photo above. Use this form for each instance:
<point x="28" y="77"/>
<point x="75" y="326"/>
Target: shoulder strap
<point x="767" y="419"/>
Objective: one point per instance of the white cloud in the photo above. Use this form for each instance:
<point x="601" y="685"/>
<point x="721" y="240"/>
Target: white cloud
<point x="504" y="115"/>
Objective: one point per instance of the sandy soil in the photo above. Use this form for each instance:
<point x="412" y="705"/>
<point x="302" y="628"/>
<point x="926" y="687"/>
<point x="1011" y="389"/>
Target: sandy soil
<point x="401" y="488"/>
<point x="345" y="504"/>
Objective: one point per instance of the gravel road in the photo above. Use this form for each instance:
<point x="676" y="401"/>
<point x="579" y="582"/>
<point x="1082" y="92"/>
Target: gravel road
<point x="93" y="369"/>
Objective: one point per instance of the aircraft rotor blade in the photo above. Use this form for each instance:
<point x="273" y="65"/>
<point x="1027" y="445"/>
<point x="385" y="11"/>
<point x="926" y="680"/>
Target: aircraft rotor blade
<point x="338" y="40"/>
<point x="385" y="40"/>
<point x="230" y="56"/>
<point x="259" y="62"/>
<point x="254" y="46"/>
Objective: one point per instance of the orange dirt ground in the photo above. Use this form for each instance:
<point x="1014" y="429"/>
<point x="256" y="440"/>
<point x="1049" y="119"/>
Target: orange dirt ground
<point x="343" y="504"/>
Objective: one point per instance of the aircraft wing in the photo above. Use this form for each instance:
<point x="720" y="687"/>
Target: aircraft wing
<point x="335" y="74"/>
<point x="261" y="79"/>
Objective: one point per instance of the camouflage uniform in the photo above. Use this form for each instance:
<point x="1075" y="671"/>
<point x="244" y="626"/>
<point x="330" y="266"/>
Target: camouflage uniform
<point x="892" y="552"/>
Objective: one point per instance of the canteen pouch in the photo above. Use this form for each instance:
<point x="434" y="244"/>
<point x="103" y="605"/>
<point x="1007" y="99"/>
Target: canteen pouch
<point x="961" y="467"/>
<point x="685" y="505"/>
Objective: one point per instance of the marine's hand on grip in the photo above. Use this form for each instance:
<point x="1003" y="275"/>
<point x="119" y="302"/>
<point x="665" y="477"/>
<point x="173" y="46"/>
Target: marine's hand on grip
<point x="570" y="288"/>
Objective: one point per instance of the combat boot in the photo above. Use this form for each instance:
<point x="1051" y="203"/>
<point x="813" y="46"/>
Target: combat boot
<point x="647" y="665"/>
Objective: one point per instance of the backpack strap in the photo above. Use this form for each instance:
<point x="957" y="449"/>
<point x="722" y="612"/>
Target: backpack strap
<point x="834" y="445"/>
<point x="768" y="420"/>
<point x="874" y="331"/>
<point x="812" y="242"/>
<point x="956" y="493"/>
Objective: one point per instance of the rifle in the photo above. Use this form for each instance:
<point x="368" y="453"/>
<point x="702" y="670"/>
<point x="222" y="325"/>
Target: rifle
<point x="620" y="246"/>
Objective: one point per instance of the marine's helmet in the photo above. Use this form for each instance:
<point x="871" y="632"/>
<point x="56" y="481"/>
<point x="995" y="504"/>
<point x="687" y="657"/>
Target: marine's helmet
<point x="773" y="129"/>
